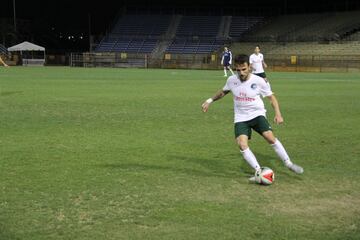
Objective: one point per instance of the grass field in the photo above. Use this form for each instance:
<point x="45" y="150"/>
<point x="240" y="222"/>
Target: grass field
<point x="128" y="154"/>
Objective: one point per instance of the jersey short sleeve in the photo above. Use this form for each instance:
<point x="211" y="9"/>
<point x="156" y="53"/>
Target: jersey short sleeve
<point x="226" y="87"/>
<point x="265" y="88"/>
<point x="251" y="59"/>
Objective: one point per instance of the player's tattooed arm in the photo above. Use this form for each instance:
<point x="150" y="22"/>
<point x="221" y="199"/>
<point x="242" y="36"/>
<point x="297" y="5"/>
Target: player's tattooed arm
<point x="219" y="95"/>
<point x="205" y="106"/>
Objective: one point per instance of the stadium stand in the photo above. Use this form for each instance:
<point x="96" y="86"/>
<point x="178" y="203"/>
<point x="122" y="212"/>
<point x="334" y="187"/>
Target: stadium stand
<point x="280" y="28"/>
<point x="186" y="41"/>
<point x="135" y="25"/>
<point x="135" y="34"/>
<point x="285" y="34"/>
<point x="307" y="27"/>
<point x="242" y="24"/>
<point x="196" y="34"/>
<point x="199" y="26"/>
<point x="248" y="47"/>
<point x="186" y="46"/>
<point x="330" y="27"/>
<point x="142" y="33"/>
<point x="299" y="48"/>
<point x="121" y="44"/>
<point x="315" y="48"/>
<point x="353" y="36"/>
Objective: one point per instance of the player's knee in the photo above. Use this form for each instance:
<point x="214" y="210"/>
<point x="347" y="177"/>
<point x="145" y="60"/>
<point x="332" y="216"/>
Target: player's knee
<point x="242" y="144"/>
<point x="269" y="137"/>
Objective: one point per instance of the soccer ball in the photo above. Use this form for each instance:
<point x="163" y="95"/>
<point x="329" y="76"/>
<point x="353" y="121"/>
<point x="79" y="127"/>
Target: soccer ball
<point x="265" y="176"/>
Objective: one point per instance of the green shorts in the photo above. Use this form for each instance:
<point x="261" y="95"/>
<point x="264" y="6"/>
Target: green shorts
<point x="260" y="124"/>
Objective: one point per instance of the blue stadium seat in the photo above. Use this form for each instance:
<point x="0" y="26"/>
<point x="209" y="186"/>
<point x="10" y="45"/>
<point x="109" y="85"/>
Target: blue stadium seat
<point x="135" y="33"/>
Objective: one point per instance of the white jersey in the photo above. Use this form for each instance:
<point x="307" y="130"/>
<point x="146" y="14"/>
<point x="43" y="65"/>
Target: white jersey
<point x="247" y="102"/>
<point x="257" y="63"/>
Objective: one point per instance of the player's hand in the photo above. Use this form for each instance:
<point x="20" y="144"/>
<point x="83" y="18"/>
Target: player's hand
<point x="278" y="119"/>
<point x="205" y="106"/>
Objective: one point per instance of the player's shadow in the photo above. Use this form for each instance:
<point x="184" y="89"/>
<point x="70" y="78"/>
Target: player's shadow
<point x="138" y="167"/>
<point x="8" y="93"/>
<point x="225" y="166"/>
<point x="221" y="166"/>
<point x="218" y="166"/>
<point x="234" y="166"/>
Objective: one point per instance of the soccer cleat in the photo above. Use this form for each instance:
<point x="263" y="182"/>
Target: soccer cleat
<point x="252" y="179"/>
<point x="255" y="178"/>
<point x="296" y="168"/>
<point x="225" y="75"/>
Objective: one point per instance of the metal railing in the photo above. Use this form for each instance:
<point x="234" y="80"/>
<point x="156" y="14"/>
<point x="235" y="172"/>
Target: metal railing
<point x="300" y="63"/>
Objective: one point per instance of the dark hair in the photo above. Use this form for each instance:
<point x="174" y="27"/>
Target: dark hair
<point x="258" y="46"/>
<point x="241" y="59"/>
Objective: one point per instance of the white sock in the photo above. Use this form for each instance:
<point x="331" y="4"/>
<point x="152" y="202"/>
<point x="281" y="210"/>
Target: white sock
<point x="231" y="71"/>
<point x="225" y="72"/>
<point x="250" y="158"/>
<point x="281" y="152"/>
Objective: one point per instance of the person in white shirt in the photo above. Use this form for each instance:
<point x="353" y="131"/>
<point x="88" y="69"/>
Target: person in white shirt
<point x="257" y="63"/>
<point x="250" y="113"/>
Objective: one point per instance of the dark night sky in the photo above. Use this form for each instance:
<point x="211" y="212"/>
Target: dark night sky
<point x="64" y="14"/>
<point x="71" y="16"/>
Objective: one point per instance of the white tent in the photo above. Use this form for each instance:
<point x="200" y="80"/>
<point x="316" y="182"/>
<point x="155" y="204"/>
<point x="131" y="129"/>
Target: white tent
<point x="29" y="47"/>
<point x="26" y="46"/>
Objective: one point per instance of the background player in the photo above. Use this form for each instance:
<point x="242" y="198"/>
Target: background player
<point x="257" y="63"/>
<point x="226" y="61"/>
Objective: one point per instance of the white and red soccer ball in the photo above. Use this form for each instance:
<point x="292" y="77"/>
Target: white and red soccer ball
<point x="265" y="176"/>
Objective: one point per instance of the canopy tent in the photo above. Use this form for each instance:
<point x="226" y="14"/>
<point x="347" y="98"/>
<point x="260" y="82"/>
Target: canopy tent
<point x="26" y="46"/>
<point x="29" y="47"/>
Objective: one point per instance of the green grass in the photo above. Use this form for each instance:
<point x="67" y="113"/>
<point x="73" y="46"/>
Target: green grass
<point x="128" y="154"/>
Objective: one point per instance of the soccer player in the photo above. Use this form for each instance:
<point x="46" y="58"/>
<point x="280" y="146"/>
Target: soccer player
<point x="3" y="63"/>
<point x="257" y="63"/>
<point x="250" y="112"/>
<point x="226" y="61"/>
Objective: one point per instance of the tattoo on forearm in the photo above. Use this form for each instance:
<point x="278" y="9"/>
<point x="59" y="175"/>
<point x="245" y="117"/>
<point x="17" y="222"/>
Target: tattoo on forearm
<point x="219" y="95"/>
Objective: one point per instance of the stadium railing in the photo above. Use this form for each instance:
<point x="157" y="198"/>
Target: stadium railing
<point x="275" y="62"/>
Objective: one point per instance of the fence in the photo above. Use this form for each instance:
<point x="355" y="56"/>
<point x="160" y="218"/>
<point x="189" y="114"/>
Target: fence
<point x="110" y="59"/>
<point x="314" y="63"/>
<point x="298" y="63"/>
<point x="33" y="62"/>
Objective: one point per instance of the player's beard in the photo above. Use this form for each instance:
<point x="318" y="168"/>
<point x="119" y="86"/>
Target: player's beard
<point x="243" y="77"/>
